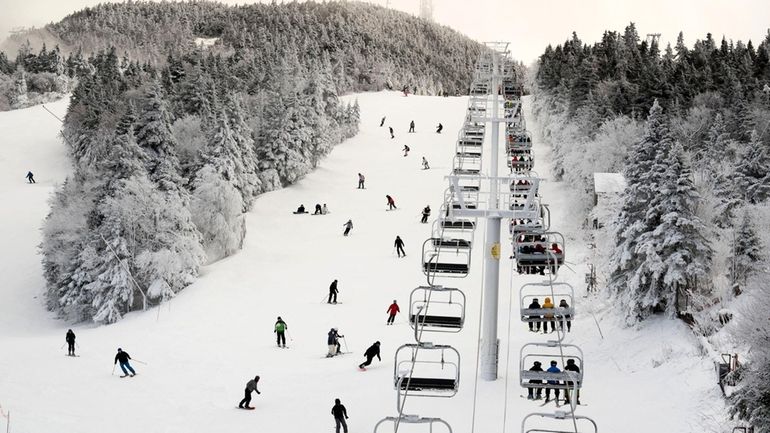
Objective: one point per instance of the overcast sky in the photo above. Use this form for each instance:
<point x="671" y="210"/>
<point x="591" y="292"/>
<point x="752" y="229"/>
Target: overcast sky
<point x="528" y="25"/>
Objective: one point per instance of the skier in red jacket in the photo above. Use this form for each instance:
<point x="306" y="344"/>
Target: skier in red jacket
<point x="392" y="311"/>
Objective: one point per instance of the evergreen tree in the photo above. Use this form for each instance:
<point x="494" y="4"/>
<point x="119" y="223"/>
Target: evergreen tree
<point x="752" y="176"/>
<point x="153" y="135"/>
<point x="746" y="253"/>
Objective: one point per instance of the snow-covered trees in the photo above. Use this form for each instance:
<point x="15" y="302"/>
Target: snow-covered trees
<point x="661" y="249"/>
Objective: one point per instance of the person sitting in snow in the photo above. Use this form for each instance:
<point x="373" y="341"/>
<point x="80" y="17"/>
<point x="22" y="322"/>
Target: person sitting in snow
<point x="318" y="210"/>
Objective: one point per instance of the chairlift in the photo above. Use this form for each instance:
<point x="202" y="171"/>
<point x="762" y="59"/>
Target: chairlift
<point x="412" y="419"/>
<point x="539" y="252"/>
<point x="437" y="308"/>
<point x="521" y="163"/>
<point x="545" y="353"/>
<point x="562" y="422"/>
<point x="558" y="291"/>
<point x="451" y="224"/>
<point x="427" y="370"/>
<point x="447" y="261"/>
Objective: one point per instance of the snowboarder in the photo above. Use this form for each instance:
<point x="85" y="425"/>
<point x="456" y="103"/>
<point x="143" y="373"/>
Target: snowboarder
<point x="405" y="90"/>
<point x="537" y="366"/>
<point x="340" y="415"/>
<point x="30" y="177"/>
<point x="333" y="293"/>
<point x="70" y="339"/>
<point x="425" y="165"/>
<point x="534" y="305"/>
<point x="411" y="126"/>
<point x="391" y="203"/>
<point x="361" y="180"/>
<point x="348" y="226"/>
<point x="439" y="128"/>
<point x="563" y="304"/>
<point x="547" y="304"/>
<point x="371" y="352"/>
<point x="571" y="366"/>
<point x="382" y="122"/>
<point x="250" y="386"/>
<point x="406" y="150"/>
<point x="280" y="329"/>
<point x="123" y="358"/>
<point x="392" y="311"/>
<point x="552" y="369"/>
<point x="390" y="128"/>
<point x="301" y="209"/>
<point x="425" y="214"/>
<point x="399" y="244"/>
<point x="333" y="342"/>
<point x="324" y="210"/>
<point x="318" y="210"/>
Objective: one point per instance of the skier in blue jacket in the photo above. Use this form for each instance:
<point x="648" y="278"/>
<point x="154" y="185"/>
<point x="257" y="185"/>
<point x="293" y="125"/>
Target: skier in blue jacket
<point x="552" y="369"/>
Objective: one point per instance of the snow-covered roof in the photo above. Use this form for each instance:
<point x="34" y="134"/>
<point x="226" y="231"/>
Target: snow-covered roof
<point x="609" y="183"/>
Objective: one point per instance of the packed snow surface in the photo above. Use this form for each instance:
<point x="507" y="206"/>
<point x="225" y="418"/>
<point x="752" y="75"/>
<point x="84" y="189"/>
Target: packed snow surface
<point x="200" y="349"/>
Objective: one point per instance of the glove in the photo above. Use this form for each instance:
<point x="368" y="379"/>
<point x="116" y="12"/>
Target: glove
<point x="259" y="392"/>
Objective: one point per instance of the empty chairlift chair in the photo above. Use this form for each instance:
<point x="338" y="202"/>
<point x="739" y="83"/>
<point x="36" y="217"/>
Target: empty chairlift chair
<point x="437" y="308"/>
<point x="559" y="422"/>
<point x="427" y="370"/>
<point x="448" y="261"/>
<point x="538" y="252"/>
<point x="557" y="291"/>
<point x="545" y="354"/>
<point x="412" y="419"/>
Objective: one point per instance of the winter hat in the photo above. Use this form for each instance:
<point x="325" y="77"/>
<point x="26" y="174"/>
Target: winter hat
<point x="279" y="317"/>
<point x="553" y="363"/>
<point x="538" y="364"/>
<point x="256" y="378"/>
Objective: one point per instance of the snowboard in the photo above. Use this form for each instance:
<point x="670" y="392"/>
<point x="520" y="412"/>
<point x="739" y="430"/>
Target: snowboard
<point x="388" y="210"/>
<point x="361" y="368"/>
<point x="300" y="213"/>
<point x="72" y="356"/>
<point x="245" y="408"/>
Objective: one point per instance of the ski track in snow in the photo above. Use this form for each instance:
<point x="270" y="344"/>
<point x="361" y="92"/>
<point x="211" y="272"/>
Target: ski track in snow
<point x="204" y="345"/>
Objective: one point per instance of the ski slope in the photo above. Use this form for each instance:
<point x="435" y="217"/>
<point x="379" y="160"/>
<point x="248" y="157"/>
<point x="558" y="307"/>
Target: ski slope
<point x="202" y="347"/>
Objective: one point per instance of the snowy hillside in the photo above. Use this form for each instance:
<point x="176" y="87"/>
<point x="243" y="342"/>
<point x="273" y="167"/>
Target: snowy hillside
<point x="202" y="347"/>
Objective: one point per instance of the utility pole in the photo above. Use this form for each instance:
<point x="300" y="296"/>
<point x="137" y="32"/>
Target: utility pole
<point x="426" y="10"/>
<point x="653" y="37"/>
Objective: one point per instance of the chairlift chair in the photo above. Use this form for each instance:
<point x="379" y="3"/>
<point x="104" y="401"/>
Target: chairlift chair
<point x="437" y="308"/>
<point x="545" y="353"/>
<point x="562" y="422"/>
<point x="451" y="224"/>
<point x="427" y="370"/>
<point x="445" y="261"/>
<point x="412" y="419"/>
<point x="557" y="291"/>
<point x="535" y="252"/>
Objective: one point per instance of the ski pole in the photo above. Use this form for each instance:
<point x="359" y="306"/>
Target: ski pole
<point x="345" y="342"/>
<point x="62" y="346"/>
<point x="141" y="362"/>
<point x="289" y="335"/>
<point x="113" y="369"/>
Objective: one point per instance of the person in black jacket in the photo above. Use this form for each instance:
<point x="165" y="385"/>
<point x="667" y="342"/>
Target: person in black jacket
<point x="534" y="305"/>
<point x="571" y="366"/>
<point x="537" y="366"/>
<point x="425" y="214"/>
<point x="411" y="126"/>
<point x="123" y="358"/>
<point x="439" y="128"/>
<point x="371" y="352"/>
<point x="70" y="338"/>
<point x="340" y="415"/>
<point x="399" y="244"/>
<point x="333" y="293"/>
<point x="250" y="386"/>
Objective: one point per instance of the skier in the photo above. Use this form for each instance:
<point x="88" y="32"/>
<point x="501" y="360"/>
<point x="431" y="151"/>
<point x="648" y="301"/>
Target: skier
<point x="333" y="342"/>
<point x="425" y="214"/>
<point x="123" y="357"/>
<point x="324" y="210"/>
<point x="318" y="210"/>
<point x="280" y="329"/>
<point x="348" y="226"/>
<point x="571" y="366"/>
<point x="552" y="369"/>
<point x="371" y="352"/>
<point x="405" y="90"/>
<point x="563" y="304"/>
<point x="250" y="386"/>
<point x="425" y="165"/>
<point x="382" y="122"/>
<point x="411" y="126"/>
<point x="70" y="339"/>
<point x="534" y="305"/>
<point x="391" y="203"/>
<point x="399" y="244"/>
<point x="390" y="128"/>
<point x="333" y="292"/>
<point x="30" y="177"/>
<point x="392" y="311"/>
<point x="340" y="415"/>
<point x="439" y="128"/>
<point x="406" y="150"/>
<point x="547" y="304"/>
<point x="361" y="180"/>
<point x="539" y="394"/>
